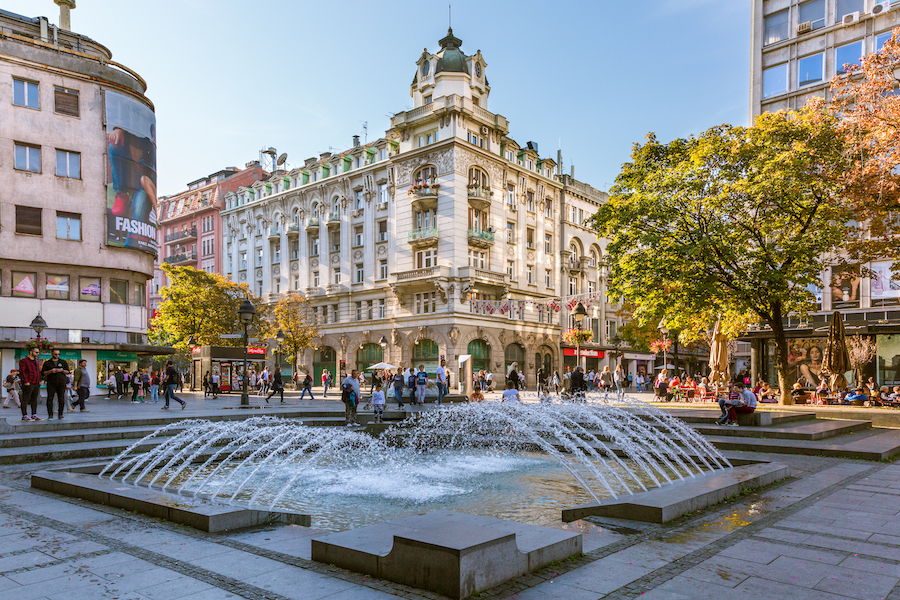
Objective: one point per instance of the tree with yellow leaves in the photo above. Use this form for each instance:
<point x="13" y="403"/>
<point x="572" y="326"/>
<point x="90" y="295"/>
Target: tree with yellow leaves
<point x="290" y="316"/>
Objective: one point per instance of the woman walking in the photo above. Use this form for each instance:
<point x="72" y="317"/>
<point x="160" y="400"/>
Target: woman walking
<point x="154" y="387"/>
<point x="606" y="379"/>
<point x="277" y="386"/>
<point x="556" y="381"/>
<point x="135" y="381"/>
<point x="207" y="381"/>
<point x="619" y="379"/>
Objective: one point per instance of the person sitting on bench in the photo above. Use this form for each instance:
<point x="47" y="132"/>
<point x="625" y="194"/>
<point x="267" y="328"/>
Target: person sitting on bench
<point x="745" y="403"/>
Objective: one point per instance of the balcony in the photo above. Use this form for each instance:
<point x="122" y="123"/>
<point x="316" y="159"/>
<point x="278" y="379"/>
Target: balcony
<point x="184" y="234"/>
<point x="274" y="234"/>
<point x="292" y="230"/>
<point x="334" y="288"/>
<point x="580" y="265"/>
<point x="481" y="238"/>
<point x="480" y="197"/>
<point x="424" y="196"/>
<point x="484" y="279"/>
<point x="312" y="224"/>
<point x="313" y="291"/>
<point x="426" y="236"/>
<point x="420" y="279"/>
<point x="333" y="219"/>
<point x="182" y="258"/>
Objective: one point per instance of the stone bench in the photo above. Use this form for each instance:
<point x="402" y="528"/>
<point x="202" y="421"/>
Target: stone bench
<point x="453" y="554"/>
<point x="755" y="419"/>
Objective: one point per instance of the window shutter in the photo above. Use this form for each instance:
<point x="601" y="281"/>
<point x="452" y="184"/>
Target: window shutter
<point x="28" y="220"/>
<point x="66" y="102"/>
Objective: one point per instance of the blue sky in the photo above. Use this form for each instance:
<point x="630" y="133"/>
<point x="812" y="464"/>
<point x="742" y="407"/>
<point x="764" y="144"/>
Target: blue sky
<point x="229" y="77"/>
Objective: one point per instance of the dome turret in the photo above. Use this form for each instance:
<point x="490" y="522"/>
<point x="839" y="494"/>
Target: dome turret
<point x="452" y="59"/>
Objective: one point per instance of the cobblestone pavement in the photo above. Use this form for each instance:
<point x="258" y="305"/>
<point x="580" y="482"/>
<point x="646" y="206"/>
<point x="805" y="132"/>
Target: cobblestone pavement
<point x="830" y="532"/>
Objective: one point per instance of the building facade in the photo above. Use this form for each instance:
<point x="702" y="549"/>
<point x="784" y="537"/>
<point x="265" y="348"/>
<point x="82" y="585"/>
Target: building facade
<point x="77" y="190"/>
<point x="445" y="237"/>
<point x="190" y="226"/>
<point x="797" y="48"/>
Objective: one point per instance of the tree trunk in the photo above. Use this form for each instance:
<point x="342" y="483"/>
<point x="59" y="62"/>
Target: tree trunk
<point x="781" y="356"/>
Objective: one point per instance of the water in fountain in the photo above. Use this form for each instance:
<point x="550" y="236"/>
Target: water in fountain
<point x="608" y="447"/>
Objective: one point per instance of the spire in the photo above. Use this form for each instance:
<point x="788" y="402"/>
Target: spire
<point x="451" y="41"/>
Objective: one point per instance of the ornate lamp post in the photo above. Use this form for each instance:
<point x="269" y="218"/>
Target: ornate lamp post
<point x="579" y="315"/>
<point x="246" y="313"/>
<point x="39" y="324"/>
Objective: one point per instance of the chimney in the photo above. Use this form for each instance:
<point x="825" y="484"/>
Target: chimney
<point x="65" y="17"/>
<point x="45" y="29"/>
<point x="355" y="141"/>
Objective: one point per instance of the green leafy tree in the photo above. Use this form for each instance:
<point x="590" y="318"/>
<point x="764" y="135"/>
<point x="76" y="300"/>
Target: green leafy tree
<point x="290" y="316"/>
<point x="198" y="307"/>
<point x="737" y="221"/>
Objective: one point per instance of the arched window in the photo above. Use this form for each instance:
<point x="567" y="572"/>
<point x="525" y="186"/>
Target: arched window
<point x="426" y="352"/>
<point x="514" y="353"/>
<point x="478" y="178"/>
<point x="368" y="355"/>
<point x="481" y="355"/>
<point x="575" y="250"/>
<point x="336" y="205"/>
<point x="426" y="175"/>
<point x="295" y="216"/>
<point x="595" y="258"/>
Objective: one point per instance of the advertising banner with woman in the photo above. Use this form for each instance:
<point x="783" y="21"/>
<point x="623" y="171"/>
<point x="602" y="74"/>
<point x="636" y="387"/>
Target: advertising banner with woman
<point x="131" y="188"/>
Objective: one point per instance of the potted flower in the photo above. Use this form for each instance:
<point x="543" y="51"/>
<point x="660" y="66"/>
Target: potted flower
<point x="576" y="337"/>
<point x="658" y="346"/>
<point x="44" y="345"/>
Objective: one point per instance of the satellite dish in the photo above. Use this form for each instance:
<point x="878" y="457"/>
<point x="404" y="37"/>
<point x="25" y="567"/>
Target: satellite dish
<point x="281" y="159"/>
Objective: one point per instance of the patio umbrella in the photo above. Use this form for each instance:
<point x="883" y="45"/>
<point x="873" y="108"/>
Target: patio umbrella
<point x="382" y="365"/>
<point x="836" y="359"/>
<point x="718" y="357"/>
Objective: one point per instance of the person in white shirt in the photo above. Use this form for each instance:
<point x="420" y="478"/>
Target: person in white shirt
<point x="590" y="377"/>
<point x="510" y="394"/>
<point x="350" y="404"/>
<point x="489" y="380"/>
<point x="441" y="380"/>
<point x="215" y="385"/>
<point x="378" y="403"/>
<point x="421" y="384"/>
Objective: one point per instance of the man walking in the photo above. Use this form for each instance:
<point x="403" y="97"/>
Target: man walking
<point x="350" y="397"/>
<point x="55" y="371"/>
<point x="264" y="382"/>
<point x="441" y="380"/>
<point x="170" y="381"/>
<point x="30" y="374"/>
<point x="398" y="386"/>
<point x="307" y="387"/>
<point x="82" y="384"/>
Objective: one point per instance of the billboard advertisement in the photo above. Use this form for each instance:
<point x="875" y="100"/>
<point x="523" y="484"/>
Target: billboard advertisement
<point x="885" y="289"/>
<point x="131" y="182"/>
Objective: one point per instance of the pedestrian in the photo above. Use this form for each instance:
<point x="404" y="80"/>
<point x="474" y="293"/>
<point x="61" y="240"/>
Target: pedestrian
<point x="13" y="385"/>
<point x="54" y="371"/>
<point x="541" y="380"/>
<point x="214" y="384"/>
<point x="440" y="378"/>
<point x="606" y="379"/>
<point x="325" y="382"/>
<point x="307" y="387"/>
<point x="512" y="374"/>
<point x="154" y="387"/>
<point x="640" y="382"/>
<point x="378" y="403"/>
<point x="82" y="384"/>
<point x="276" y="386"/>
<point x="577" y="382"/>
<point x="120" y="382"/>
<point x="376" y="378"/>
<point x="590" y="379"/>
<point x="556" y="381"/>
<point x="70" y="392"/>
<point x="135" y="381"/>
<point x="110" y="384"/>
<point x="398" y="387"/>
<point x="350" y="398"/>
<point x="207" y="380"/>
<point x="264" y="381"/>
<point x="30" y="375"/>
<point x="170" y="382"/>
<point x="619" y="380"/>
<point x="421" y="384"/>
<point x="510" y="394"/>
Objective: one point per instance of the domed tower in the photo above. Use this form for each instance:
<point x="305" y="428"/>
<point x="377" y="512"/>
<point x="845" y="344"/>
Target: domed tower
<point x="450" y="72"/>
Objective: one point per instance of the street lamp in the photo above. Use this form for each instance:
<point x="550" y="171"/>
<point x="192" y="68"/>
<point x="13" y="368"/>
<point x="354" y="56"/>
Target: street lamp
<point x="579" y="315"/>
<point x="246" y="313"/>
<point x="664" y="331"/>
<point x="616" y="340"/>
<point x="39" y="324"/>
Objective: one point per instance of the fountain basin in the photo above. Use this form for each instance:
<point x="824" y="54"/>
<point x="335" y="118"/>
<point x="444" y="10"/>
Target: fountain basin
<point x="454" y="554"/>
<point x="674" y="500"/>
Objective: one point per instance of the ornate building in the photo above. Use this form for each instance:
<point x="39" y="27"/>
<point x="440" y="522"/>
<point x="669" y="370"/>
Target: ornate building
<point x="445" y="237"/>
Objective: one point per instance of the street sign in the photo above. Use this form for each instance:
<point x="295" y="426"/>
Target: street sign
<point x="232" y="336"/>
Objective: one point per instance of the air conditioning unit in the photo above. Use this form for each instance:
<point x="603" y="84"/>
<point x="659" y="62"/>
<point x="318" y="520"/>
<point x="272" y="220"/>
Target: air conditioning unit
<point x="881" y="7"/>
<point x="804" y="27"/>
<point x="484" y="130"/>
<point x="382" y="206"/>
<point x="850" y="19"/>
<point x="511" y="207"/>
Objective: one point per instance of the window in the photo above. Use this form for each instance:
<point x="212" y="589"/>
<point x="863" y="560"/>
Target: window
<point x="814" y="12"/>
<point x="425" y="303"/>
<point x="118" y="291"/>
<point x="295" y="282"/>
<point x="243" y="261"/>
<point x="360" y="201"/>
<point x="336" y="275"/>
<point x="380" y="309"/>
<point x="511" y="269"/>
<point x="775" y="81"/>
<point x="382" y="269"/>
<point x="25" y="93"/>
<point x="845" y="7"/>
<point x="295" y="250"/>
<point x="478" y="179"/>
<point x="510" y="194"/>
<point x="529" y="201"/>
<point x="477" y="259"/>
<point x="428" y="99"/>
<point x="548" y="208"/>
<point x="357" y="236"/>
<point x="426" y="219"/>
<point x="811" y="69"/>
<point x="478" y="219"/>
<point x="140" y="294"/>
<point x="776" y="28"/>
<point x="427" y="139"/>
<point x="425" y="259"/>
<point x="259" y="257"/>
<point x="28" y="220"/>
<point x="610" y="330"/>
<point x="510" y="232"/>
<point x="315" y="279"/>
<point x="276" y="253"/>
<point x="360" y="275"/>
<point x="475" y="139"/>
<point x="529" y="238"/>
<point x="336" y="242"/>
<point x="24" y="285"/>
<point x="314" y="246"/>
<point x="881" y="38"/>
<point x="548" y="243"/>
<point x="89" y="289"/>
<point x="68" y="164"/>
<point x="382" y="231"/>
<point x="335" y="313"/>
<point x="849" y="54"/>
<point x="360" y="311"/>
<point x="57" y="287"/>
<point x="548" y="278"/>
<point x="382" y="193"/>
<point x="68" y="226"/>
<point x="530" y="275"/>
<point x="28" y="158"/>
<point x="573" y="286"/>
<point x="65" y="101"/>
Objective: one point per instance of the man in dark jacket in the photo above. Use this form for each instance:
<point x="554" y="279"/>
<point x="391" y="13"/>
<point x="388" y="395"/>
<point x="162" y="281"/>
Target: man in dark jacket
<point x="577" y="384"/>
<point x="30" y="375"/>
<point x="55" y="370"/>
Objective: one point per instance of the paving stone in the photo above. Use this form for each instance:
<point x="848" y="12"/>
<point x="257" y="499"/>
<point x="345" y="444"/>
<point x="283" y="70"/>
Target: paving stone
<point x="26" y="559"/>
<point x="176" y="588"/>
<point x="865" y="586"/>
<point x="766" y="588"/>
<point x="188" y="549"/>
<point x="298" y="583"/>
<point x="776" y="534"/>
<point x="871" y="566"/>
<point x="237" y="565"/>
<point x="854" y="547"/>
<point x="553" y="589"/>
<point x="724" y="571"/>
<point x="70" y="549"/>
<point x="6" y="584"/>
<point x="763" y="552"/>
<point x="73" y="571"/>
<point x="603" y="576"/>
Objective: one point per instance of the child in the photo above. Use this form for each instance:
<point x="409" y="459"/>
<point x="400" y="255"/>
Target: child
<point x="544" y="398"/>
<point x="510" y="394"/>
<point x="378" y="403"/>
<point x="476" y="396"/>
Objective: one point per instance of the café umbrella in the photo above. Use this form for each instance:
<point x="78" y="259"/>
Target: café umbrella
<point x="836" y="358"/>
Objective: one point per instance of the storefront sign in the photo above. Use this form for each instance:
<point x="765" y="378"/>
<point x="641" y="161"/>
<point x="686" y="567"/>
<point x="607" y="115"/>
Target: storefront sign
<point x="254" y="350"/>
<point x="116" y="356"/>
<point x="196" y="349"/>
<point x="637" y="356"/>
<point x="585" y="353"/>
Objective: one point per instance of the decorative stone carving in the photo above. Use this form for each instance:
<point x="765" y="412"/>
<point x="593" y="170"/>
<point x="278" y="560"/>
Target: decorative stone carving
<point x="335" y="259"/>
<point x="358" y="255"/>
<point x="511" y="251"/>
<point x="344" y="341"/>
<point x="397" y="294"/>
<point x="464" y="288"/>
<point x="464" y="159"/>
<point x="294" y="267"/>
<point x="530" y="340"/>
<point x="480" y="331"/>
<point x="259" y="273"/>
<point x="243" y="277"/>
<point x="441" y="290"/>
<point x="531" y="257"/>
<point x="276" y="270"/>
<point x="454" y="333"/>
<point x="396" y="337"/>
<point x="314" y="263"/>
<point x="421" y="333"/>
<point x="382" y="250"/>
<point x="442" y="160"/>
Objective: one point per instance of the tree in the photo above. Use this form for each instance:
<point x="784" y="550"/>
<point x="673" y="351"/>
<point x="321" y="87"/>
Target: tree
<point x="738" y="222"/>
<point x="198" y="307"/>
<point x="861" y="351"/>
<point x="289" y="316"/>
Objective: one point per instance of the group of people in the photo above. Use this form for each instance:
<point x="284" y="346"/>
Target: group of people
<point x="142" y="383"/>
<point x="66" y="390"/>
<point x="400" y="381"/>
<point x="869" y="393"/>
